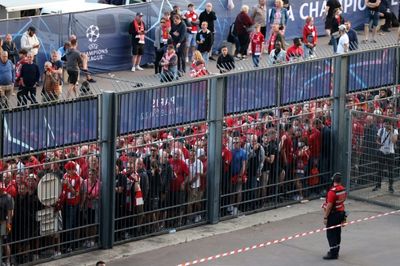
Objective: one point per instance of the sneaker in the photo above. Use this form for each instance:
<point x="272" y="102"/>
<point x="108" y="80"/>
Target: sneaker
<point x="375" y="188"/>
<point x="364" y="41"/>
<point x="56" y="254"/>
<point x="133" y="69"/>
<point x="139" y="68"/>
<point x="35" y="257"/>
<point x="187" y="59"/>
<point x="212" y="58"/>
<point x="391" y="190"/>
<point x="86" y="244"/>
<point x="374" y="41"/>
<point x="230" y="209"/>
<point x="92" y="244"/>
<point x="197" y="218"/>
<point x="329" y="256"/>
<point x="235" y="211"/>
<point x="91" y="80"/>
<point x="385" y="30"/>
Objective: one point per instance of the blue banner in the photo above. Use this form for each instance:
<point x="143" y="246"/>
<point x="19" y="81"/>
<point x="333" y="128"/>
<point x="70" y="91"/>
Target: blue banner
<point x="306" y="81"/>
<point x="51" y="126"/>
<point x="371" y="70"/>
<point x="163" y="107"/>
<point x="250" y="91"/>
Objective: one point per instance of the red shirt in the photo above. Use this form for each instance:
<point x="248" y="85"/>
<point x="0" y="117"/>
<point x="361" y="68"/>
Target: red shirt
<point x="288" y="148"/>
<point x="294" y="52"/>
<point x="75" y="181"/>
<point x="314" y="142"/>
<point x="257" y="39"/>
<point x="310" y="35"/>
<point x="191" y="16"/>
<point x="227" y="158"/>
<point x="181" y="170"/>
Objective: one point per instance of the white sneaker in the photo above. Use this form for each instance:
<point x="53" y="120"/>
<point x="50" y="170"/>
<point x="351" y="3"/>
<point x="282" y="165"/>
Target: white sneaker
<point x="35" y="257"/>
<point x="133" y="69"/>
<point x="235" y="211"/>
<point x="187" y="59"/>
<point x="139" y="68"/>
<point x="197" y="218"/>
<point x="92" y="244"/>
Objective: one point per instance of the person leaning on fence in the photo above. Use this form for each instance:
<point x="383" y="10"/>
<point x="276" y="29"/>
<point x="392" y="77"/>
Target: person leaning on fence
<point x="334" y="215"/>
<point x="310" y="37"/>
<point x="295" y="52"/>
<point x="7" y="79"/>
<point x="198" y="66"/>
<point x="225" y="61"/>
<point x="169" y="61"/>
<point x="51" y="83"/>
<point x="387" y="137"/>
<point x="6" y="215"/>
<point x="278" y="55"/>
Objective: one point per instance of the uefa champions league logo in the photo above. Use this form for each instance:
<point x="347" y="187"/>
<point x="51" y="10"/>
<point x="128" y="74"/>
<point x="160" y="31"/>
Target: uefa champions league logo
<point x="92" y="33"/>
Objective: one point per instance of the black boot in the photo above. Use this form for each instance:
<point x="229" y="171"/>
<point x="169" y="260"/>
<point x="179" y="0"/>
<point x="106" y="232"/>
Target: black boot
<point x="330" y="256"/>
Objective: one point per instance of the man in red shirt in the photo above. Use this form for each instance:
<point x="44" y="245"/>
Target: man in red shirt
<point x="257" y="47"/>
<point x="334" y="214"/>
<point x="179" y="181"/>
<point x="71" y="187"/>
<point x="295" y="52"/>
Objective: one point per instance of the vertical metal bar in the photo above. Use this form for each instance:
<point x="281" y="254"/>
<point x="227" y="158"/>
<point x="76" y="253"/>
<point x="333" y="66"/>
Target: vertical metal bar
<point x="339" y="104"/>
<point x="217" y="87"/>
<point x="108" y="136"/>
<point x="349" y="123"/>
<point x="1" y="138"/>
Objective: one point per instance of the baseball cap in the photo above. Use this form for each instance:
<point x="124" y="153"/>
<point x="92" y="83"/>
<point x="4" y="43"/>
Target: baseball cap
<point x="140" y="14"/>
<point x="342" y="27"/>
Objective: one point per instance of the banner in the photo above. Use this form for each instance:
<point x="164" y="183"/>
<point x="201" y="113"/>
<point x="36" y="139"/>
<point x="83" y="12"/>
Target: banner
<point x="51" y="126"/>
<point x="250" y="91"/>
<point x="306" y="81"/>
<point x="371" y="69"/>
<point x="163" y="107"/>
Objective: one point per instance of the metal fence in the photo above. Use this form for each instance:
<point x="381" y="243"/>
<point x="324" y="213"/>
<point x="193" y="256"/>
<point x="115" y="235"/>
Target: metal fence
<point x="373" y="167"/>
<point x="179" y="154"/>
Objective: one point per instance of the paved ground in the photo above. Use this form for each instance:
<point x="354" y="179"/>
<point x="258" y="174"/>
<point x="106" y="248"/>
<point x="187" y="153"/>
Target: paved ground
<point x="363" y="244"/>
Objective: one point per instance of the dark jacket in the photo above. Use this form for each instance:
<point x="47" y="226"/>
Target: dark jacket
<point x="181" y="30"/>
<point x="208" y="40"/>
<point x="30" y="74"/>
<point x="242" y="23"/>
<point x="11" y="48"/>
<point x="225" y="63"/>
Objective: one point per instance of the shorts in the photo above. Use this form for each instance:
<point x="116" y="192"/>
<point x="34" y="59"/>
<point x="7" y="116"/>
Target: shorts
<point x="137" y="48"/>
<point x="72" y="76"/>
<point x="373" y="18"/>
<point x="6" y="90"/>
<point x="191" y="39"/>
<point x="195" y="195"/>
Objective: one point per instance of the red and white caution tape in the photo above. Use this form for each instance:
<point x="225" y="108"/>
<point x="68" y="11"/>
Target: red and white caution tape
<point x="269" y="243"/>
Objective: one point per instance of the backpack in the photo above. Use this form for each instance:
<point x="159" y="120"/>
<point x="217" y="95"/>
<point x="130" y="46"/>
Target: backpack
<point x="232" y="33"/>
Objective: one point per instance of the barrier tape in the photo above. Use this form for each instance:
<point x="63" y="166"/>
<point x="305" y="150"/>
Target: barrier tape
<point x="269" y="243"/>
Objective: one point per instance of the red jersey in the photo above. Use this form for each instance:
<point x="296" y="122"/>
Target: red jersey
<point x="181" y="170"/>
<point x="191" y="17"/>
<point x="74" y="180"/>
<point x="337" y="195"/>
<point x="227" y="158"/>
<point x="314" y="142"/>
<point x="310" y="35"/>
<point x="294" y="52"/>
<point x="257" y="39"/>
<point x="287" y="148"/>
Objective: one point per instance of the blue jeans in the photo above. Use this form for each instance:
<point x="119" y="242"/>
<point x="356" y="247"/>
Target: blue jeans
<point x="256" y="60"/>
<point x="334" y="42"/>
<point x="205" y="56"/>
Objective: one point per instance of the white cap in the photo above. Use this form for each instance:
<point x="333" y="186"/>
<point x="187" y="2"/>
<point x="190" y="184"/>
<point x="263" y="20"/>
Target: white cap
<point x="342" y="27"/>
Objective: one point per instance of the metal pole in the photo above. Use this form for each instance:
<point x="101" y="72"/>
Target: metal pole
<point x="215" y="119"/>
<point x="108" y="140"/>
<point x="278" y="91"/>
<point x="1" y="136"/>
<point x="339" y="132"/>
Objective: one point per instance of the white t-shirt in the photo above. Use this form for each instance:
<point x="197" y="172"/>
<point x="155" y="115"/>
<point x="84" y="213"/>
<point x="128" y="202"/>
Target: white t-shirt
<point x="344" y="39"/>
<point x="195" y="168"/>
<point x="387" y="145"/>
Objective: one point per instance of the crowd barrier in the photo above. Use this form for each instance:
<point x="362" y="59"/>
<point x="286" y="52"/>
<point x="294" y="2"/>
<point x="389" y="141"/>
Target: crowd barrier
<point x="180" y="154"/>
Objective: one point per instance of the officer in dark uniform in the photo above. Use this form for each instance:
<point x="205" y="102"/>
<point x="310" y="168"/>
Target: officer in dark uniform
<point x="334" y="214"/>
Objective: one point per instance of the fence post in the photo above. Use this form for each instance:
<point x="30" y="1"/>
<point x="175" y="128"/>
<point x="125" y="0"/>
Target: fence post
<point x="108" y="138"/>
<point x="215" y="119"/>
<point x="1" y="135"/>
<point x="339" y="126"/>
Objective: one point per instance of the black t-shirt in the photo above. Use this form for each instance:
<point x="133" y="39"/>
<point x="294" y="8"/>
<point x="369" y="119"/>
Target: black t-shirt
<point x="6" y="204"/>
<point x="375" y="8"/>
<point x="121" y="181"/>
<point x="270" y="149"/>
<point x="333" y="4"/>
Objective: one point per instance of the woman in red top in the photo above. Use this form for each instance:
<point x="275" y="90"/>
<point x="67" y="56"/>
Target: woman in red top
<point x="310" y="37"/>
<point x="198" y="67"/>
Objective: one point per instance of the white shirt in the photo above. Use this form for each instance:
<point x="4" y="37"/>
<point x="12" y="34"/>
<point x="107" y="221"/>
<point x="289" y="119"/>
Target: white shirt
<point x="27" y="42"/>
<point x="385" y="140"/>
<point x="195" y="168"/>
<point x="344" y="39"/>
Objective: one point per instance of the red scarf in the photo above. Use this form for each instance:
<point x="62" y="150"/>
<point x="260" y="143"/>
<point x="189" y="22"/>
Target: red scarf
<point x="140" y="30"/>
<point x="167" y="58"/>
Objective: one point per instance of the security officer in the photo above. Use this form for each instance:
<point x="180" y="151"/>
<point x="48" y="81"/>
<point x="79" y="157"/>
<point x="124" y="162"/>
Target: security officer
<point x="334" y="214"/>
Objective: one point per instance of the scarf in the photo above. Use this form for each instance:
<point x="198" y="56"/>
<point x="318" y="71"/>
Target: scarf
<point x="140" y="30"/>
<point x="167" y="57"/>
